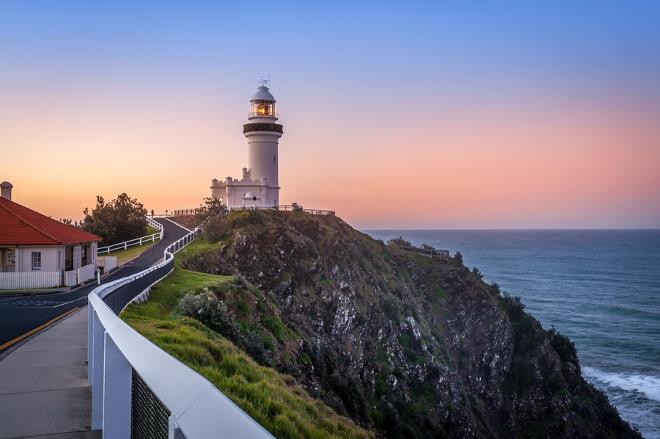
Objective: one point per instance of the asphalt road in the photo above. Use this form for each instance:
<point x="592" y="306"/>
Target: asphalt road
<point x="20" y="314"/>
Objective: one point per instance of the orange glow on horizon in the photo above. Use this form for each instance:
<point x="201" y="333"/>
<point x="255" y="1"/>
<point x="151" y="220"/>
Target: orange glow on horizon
<point x="555" y="164"/>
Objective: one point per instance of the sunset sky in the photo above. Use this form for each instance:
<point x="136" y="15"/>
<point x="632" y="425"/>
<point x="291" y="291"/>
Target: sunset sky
<point x="408" y="114"/>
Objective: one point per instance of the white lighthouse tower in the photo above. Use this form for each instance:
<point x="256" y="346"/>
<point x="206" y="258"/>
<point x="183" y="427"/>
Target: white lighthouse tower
<point x="259" y="184"/>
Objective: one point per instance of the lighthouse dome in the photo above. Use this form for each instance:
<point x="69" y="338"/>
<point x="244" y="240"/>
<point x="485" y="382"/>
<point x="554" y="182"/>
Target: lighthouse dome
<point x="262" y="94"/>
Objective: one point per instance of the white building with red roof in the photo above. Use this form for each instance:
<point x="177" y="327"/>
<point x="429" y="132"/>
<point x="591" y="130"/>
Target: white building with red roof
<point x="39" y="252"/>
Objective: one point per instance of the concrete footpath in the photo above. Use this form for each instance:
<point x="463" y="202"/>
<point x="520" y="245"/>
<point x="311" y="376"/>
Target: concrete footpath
<point x="43" y="385"/>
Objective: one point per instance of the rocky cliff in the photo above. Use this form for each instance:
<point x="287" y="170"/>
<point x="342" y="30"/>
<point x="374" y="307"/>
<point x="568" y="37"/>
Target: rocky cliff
<point x="404" y="344"/>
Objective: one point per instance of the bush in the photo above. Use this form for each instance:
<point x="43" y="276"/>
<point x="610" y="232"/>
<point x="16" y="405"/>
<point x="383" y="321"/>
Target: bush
<point x="215" y="207"/>
<point x="207" y="308"/>
<point x="458" y="257"/>
<point x="514" y="307"/>
<point x="399" y="242"/>
<point x="563" y="345"/>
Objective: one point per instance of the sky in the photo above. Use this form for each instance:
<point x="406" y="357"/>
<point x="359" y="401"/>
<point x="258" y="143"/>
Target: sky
<point x="443" y="114"/>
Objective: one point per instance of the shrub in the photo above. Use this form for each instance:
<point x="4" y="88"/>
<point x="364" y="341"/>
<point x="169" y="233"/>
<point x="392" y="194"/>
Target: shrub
<point x="563" y="345"/>
<point x="458" y="257"/>
<point x="514" y="307"/>
<point x="215" y="207"/>
<point x="399" y="242"/>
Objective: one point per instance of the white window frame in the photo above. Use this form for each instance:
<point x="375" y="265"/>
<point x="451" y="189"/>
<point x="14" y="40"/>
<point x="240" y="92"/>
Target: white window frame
<point x="36" y="257"/>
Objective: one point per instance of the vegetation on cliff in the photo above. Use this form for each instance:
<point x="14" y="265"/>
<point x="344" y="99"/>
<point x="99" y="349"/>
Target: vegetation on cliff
<point x="273" y="399"/>
<point x="404" y="344"/>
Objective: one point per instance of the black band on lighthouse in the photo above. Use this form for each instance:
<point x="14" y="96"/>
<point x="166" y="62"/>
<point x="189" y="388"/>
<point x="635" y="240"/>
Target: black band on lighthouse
<point x="251" y="127"/>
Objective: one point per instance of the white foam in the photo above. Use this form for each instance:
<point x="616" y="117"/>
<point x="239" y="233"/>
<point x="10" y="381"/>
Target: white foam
<point x="648" y="385"/>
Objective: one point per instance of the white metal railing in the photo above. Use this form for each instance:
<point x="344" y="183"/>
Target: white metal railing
<point x="186" y="212"/>
<point x="287" y="208"/>
<point x="197" y="408"/>
<point x="137" y="241"/>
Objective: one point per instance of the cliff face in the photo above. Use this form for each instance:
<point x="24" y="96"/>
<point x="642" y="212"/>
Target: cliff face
<point x="406" y="345"/>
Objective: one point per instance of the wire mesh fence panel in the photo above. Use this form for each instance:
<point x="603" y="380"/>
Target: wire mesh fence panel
<point x="149" y="416"/>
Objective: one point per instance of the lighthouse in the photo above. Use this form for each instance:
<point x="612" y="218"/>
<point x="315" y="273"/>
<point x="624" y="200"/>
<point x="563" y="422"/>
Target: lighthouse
<point x="258" y="186"/>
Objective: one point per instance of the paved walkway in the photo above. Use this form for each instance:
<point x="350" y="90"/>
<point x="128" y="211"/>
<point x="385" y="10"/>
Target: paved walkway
<point x="47" y="378"/>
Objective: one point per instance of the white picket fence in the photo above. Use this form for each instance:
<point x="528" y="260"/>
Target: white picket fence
<point x="86" y="273"/>
<point x="70" y="278"/>
<point x="30" y="279"/>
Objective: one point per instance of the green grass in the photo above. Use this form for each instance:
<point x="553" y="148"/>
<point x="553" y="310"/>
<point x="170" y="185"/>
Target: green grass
<point x="273" y="399"/>
<point x="124" y="256"/>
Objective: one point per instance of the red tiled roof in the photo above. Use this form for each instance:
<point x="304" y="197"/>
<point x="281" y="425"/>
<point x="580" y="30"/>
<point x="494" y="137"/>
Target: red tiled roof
<point x="22" y="226"/>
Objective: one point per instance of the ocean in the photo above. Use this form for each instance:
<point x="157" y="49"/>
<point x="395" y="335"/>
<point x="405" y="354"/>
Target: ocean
<point x="601" y="288"/>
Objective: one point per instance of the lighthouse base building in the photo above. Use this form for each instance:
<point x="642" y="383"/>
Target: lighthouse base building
<point x="258" y="186"/>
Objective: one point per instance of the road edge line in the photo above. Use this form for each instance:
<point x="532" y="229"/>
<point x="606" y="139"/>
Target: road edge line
<point x="32" y="331"/>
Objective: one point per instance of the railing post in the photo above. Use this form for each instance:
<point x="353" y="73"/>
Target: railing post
<point x="97" y="372"/>
<point x="173" y="430"/>
<point x="116" y="393"/>
<point x="125" y="245"/>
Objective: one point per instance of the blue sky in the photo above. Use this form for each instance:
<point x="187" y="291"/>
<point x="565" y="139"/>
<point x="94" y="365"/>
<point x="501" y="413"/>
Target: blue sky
<point x="362" y="63"/>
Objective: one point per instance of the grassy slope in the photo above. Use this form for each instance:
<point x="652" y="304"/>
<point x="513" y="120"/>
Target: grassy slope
<point x="272" y="399"/>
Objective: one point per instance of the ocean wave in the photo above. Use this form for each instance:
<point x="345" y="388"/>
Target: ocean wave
<point x="648" y="385"/>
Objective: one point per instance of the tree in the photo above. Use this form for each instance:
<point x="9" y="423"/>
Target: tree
<point x="458" y="257"/>
<point x="215" y="206"/>
<point x="121" y="219"/>
<point x="477" y="273"/>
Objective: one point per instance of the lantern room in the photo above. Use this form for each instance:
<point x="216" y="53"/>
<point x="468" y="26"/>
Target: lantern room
<point x="262" y="104"/>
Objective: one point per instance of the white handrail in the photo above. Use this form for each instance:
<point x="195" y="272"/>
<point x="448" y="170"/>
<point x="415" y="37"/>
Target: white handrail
<point x="197" y="408"/>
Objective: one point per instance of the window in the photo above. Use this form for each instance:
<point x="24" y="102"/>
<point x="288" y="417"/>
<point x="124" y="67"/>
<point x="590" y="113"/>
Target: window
<point x="36" y="261"/>
<point x="263" y="108"/>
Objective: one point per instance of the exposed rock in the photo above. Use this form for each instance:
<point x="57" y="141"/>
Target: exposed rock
<point x="404" y="344"/>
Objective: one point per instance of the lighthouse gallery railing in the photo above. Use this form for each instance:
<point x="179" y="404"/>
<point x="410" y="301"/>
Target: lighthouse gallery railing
<point x="139" y="390"/>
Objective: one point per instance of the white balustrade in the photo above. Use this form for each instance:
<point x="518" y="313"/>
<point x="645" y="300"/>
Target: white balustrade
<point x="198" y="409"/>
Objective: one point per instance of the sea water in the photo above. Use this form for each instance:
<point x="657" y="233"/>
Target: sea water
<point x="601" y="288"/>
